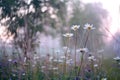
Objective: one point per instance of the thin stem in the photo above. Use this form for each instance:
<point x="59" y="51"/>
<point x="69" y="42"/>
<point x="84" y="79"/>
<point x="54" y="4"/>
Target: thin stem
<point x="86" y="39"/>
<point x="79" y="69"/>
<point x="82" y="59"/>
<point x="75" y="46"/>
<point x="65" y="66"/>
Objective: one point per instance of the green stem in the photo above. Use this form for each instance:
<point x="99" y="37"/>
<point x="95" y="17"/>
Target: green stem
<point x="65" y="66"/>
<point x="82" y="58"/>
<point x="75" y="46"/>
<point x="79" y="69"/>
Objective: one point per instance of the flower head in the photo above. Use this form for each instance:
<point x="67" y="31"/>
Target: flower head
<point x="95" y="65"/>
<point x="104" y="79"/>
<point x="43" y="67"/>
<point x="55" y="68"/>
<point x="91" y="58"/>
<point x="65" y="47"/>
<point x="9" y="60"/>
<point x="75" y="27"/>
<point x="44" y="8"/>
<point x="89" y="27"/>
<point x="36" y="57"/>
<point x="117" y="58"/>
<point x="68" y="35"/>
<point x="23" y="74"/>
<point x="83" y="50"/>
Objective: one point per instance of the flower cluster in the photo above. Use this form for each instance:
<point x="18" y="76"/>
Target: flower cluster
<point x="76" y="27"/>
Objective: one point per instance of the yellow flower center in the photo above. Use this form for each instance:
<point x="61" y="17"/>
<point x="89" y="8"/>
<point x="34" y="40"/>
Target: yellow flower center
<point x="89" y="28"/>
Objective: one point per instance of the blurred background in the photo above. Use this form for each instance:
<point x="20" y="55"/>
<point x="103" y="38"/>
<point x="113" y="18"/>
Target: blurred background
<point x="37" y="26"/>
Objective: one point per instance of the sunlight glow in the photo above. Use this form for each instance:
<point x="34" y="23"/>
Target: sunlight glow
<point x="113" y="7"/>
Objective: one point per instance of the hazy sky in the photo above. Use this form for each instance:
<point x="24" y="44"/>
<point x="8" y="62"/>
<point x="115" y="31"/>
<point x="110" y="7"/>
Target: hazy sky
<point x="113" y="8"/>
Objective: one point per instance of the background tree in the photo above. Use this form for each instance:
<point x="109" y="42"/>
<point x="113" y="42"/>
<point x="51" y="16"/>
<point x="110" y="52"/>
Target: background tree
<point x="31" y="17"/>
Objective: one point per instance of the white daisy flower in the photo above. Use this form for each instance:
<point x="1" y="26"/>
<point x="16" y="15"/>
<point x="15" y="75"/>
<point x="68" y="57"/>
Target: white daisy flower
<point x="75" y="27"/>
<point x="43" y="67"/>
<point x="25" y="59"/>
<point x="117" y="58"/>
<point x="68" y="35"/>
<point x="89" y="27"/>
<point x="104" y="79"/>
<point x="36" y="57"/>
<point x="44" y="8"/>
<point x="91" y="58"/>
<point x="95" y="65"/>
<point x="9" y="60"/>
<point x="51" y="58"/>
<point x="23" y="74"/>
<point x="82" y="50"/>
<point x="14" y="75"/>
<point x="65" y="47"/>
<point x="55" y="68"/>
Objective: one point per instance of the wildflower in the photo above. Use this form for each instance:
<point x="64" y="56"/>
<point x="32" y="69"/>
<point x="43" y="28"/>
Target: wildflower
<point x="15" y="62"/>
<point x="36" y="57"/>
<point x="68" y="35"/>
<point x="51" y="58"/>
<point x="25" y="59"/>
<point x="91" y="58"/>
<point x="23" y="74"/>
<point x="25" y="64"/>
<point x="65" y="47"/>
<point x="104" y="79"/>
<point x="44" y="8"/>
<point x="117" y="58"/>
<point x="75" y="27"/>
<point x="82" y="50"/>
<point x="14" y="75"/>
<point x="43" y="67"/>
<point x="53" y="16"/>
<point x="95" y="65"/>
<point x="9" y="60"/>
<point x="89" y="27"/>
<point x="55" y="68"/>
